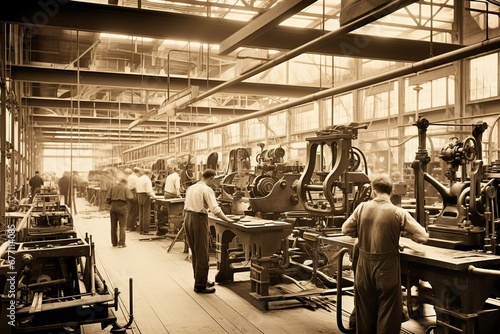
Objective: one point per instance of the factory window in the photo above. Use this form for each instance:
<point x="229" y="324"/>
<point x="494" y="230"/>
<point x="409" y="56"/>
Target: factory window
<point x="200" y="141"/>
<point x="410" y="142"/>
<point x="277" y="123"/>
<point x="233" y="133"/>
<point x="343" y="70"/>
<point x="435" y="93"/>
<point x="312" y="68"/>
<point x="374" y="67"/>
<point x="305" y="118"/>
<point x="217" y="138"/>
<point x="379" y="101"/>
<point x="61" y="160"/>
<point x="255" y="129"/>
<point x="343" y="109"/>
<point x="484" y="77"/>
<point x="313" y="71"/>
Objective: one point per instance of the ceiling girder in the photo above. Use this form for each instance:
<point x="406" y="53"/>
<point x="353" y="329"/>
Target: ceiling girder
<point x="94" y="140"/>
<point x="67" y="121"/>
<point x="42" y="102"/>
<point x="149" y="82"/>
<point x="167" y="25"/>
<point x="262" y="23"/>
<point x="84" y="131"/>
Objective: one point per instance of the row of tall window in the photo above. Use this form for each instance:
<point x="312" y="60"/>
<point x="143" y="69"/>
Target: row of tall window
<point x="419" y="94"/>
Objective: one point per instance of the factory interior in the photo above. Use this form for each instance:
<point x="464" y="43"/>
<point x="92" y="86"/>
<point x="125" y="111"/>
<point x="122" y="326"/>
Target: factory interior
<point x="299" y="106"/>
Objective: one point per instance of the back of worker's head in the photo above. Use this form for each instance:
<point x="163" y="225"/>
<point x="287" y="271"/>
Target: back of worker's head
<point x="209" y="173"/>
<point x="382" y="184"/>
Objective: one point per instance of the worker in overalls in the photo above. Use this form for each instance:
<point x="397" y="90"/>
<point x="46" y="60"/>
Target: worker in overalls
<point x="377" y="284"/>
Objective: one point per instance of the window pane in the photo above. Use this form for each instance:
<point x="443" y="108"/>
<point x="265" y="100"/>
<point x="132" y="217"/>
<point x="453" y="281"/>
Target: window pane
<point x="484" y="77"/>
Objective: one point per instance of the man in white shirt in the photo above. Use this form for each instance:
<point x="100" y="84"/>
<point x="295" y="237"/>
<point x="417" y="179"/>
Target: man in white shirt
<point x="145" y="193"/>
<point x="173" y="184"/>
<point x="200" y="199"/>
<point x="132" y="204"/>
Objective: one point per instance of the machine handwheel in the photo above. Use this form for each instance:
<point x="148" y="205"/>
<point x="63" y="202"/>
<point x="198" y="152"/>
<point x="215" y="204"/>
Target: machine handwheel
<point x="430" y="330"/>
<point x="469" y="149"/>
<point x="354" y="160"/>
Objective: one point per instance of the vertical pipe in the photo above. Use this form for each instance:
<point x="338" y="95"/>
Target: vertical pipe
<point x="3" y="120"/>
<point x="13" y="157"/>
<point x="92" y="267"/>
<point x="340" y="324"/>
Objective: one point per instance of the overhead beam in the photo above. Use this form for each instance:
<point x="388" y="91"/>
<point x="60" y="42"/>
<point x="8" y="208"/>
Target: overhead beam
<point x="95" y="140"/>
<point x="103" y="130"/>
<point x="67" y="121"/>
<point x="96" y="18"/>
<point x="263" y="23"/>
<point x="148" y="82"/>
<point x="44" y="102"/>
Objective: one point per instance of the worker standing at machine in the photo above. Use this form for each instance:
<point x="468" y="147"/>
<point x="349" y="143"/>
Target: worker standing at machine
<point x="36" y="182"/>
<point x="145" y="194"/>
<point x="64" y="184"/>
<point x="377" y="284"/>
<point x="200" y="199"/>
<point x="117" y="197"/>
<point x="132" y="204"/>
<point x="172" y="187"/>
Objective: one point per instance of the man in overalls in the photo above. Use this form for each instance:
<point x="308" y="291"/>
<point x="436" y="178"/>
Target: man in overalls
<point x="377" y="284"/>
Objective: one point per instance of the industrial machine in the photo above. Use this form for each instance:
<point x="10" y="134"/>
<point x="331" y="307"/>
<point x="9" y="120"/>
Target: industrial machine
<point x="188" y="172"/>
<point x="53" y="286"/>
<point x="329" y="191"/>
<point x="331" y="194"/>
<point x="273" y="190"/>
<point x="235" y="185"/>
<point x="44" y="219"/>
<point x="469" y="216"/>
<point x="48" y="278"/>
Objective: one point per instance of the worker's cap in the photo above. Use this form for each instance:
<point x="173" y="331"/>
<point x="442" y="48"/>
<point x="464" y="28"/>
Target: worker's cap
<point x="137" y="169"/>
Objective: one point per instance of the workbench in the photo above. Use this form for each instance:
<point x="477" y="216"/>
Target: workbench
<point x="260" y="239"/>
<point x="460" y="293"/>
<point x="169" y="214"/>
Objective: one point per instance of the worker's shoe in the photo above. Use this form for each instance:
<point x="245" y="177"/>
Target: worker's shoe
<point x="203" y="289"/>
<point x="210" y="284"/>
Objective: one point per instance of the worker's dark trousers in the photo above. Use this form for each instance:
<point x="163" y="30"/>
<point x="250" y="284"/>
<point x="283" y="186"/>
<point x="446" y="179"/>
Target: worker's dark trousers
<point x="144" y="212"/>
<point x="377" y="290"/>
<point x="118" y="216"/>
<point x="196" y="229"/>
<point x="133" y="212"/>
